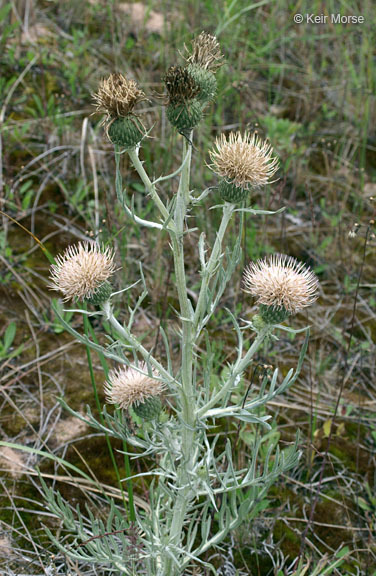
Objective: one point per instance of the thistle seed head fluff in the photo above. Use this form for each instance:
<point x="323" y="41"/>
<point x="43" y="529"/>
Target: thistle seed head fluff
<point x="206" y="52"/>
<point x="128" y="385"/>
<point x="81" y="270"/>
<point x="117" y="96"/>
<point x="281" y="281"/>
<point x="245" y="161"/>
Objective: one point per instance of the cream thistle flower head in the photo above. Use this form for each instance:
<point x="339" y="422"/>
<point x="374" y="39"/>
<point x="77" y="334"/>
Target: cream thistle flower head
<point x="281" y="282"/>
<point x="117" y="96"/>
<point x="245" y="161"/>
<point x="82" y="272"/>
<point x="129" y="386"/>
<point x="206" y="52"/>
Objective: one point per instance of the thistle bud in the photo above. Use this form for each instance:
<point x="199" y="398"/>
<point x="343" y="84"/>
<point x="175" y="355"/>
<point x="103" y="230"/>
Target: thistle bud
<point x="184" y="117"/>
<point x="126" y="132"/>
<point x="101" y="294"/>
<point x="184" y="110"/>
<point x="258" y="322"/>
<point x="232" y="193"/>
<point x="206" y="81"/>
<point x="273" y="314"/>
<point x="150" y="409"/>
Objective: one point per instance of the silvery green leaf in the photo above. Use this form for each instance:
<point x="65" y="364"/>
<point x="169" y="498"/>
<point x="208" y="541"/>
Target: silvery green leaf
<point x="84" y="340"/>
<point x="291" y="330"/>
<point x="116" y="425"/>
<point x="256" y="211"/>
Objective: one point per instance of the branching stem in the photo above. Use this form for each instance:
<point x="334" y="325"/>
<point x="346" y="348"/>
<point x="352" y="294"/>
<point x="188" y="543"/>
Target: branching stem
<point x="235" y="374"/>
<point x="210" y="268"/>
<point x="150" y="187"/>
<point x="124" y="333"/>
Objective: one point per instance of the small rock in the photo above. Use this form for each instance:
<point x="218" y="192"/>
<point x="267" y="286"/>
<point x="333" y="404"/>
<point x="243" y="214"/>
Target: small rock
<point x="141" y="17"/>
<point x="11" y="460"/>
<point x="68" y="429"/>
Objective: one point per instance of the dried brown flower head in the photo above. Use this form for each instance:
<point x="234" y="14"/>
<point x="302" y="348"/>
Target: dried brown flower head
<point x="245" y="161"/>
<point x="282" y="282"/>
<point x="206" y="52"/>
<point x="131" y="385"/>
<point x="82" y="270"/>
<point x="181" y="86"/>
<point x="117" y="96"/>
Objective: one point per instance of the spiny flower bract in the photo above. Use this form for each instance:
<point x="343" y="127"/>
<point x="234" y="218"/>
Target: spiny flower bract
<point x="281" y="281"/>
<point x="243" y="160"/>
<point x="81" y="270"/>
<point x="130" y="385"/>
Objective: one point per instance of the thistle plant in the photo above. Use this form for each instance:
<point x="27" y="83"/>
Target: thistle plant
<point x="164" y="409"/>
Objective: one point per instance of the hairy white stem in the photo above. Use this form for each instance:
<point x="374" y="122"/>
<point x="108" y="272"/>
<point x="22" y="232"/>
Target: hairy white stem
<point x="187" y="398"/>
